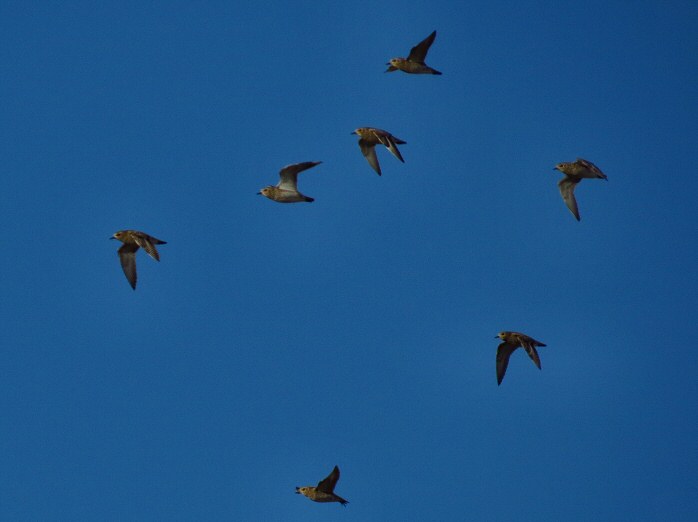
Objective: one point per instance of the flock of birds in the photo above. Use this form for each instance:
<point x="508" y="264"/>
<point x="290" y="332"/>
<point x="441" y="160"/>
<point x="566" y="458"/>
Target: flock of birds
<point x="286" y="191"/>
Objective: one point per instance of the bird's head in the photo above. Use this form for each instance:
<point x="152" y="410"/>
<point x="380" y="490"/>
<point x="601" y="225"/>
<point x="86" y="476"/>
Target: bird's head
<point x="562" y="167"/>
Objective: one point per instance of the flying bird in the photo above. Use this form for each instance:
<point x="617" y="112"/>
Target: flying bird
<point x="324" y="491"/>
<point x="574" y="173"/>
<point x="512" y="340"/>
<point x="287" y="189"/>
<point x="369" y="137"/>
<point x="132" y="240"/>
<point x="414" y="63"/>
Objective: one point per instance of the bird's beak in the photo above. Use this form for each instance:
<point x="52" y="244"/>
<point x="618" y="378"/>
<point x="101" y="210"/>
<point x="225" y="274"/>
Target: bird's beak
<point x="259" y="193"/>
<point x="112" y="237"/>
<point x="555" y="168"/>
<point x="496" y="337"/>
<point x="297" y="492"/>
<point x="352" y="132"/>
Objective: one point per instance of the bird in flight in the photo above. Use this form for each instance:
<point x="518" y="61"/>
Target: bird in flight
<point x="414" y="63"/>
<point x="511" y="341"/>
<point x="286" y="191"/>
<point x="133" y="240"/>
<point x="369" y="137"/>
<point x="324" y="491"/>
<point x="574" y="172"/>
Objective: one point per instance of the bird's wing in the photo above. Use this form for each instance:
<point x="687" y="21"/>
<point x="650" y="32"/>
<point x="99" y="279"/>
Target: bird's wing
<point x="566" y="186"/>
<point x="289" y="174"/>
<point x="127" y="256"/>
<point x="390" y="142"/>
<point x="504" y="351"/>
<point x="534" y="342"/>
<point x="593" y="168"/>
<point x="419" y="52"/>
<point x="327" y="484"/>
<point x="523" y="338"/>
<point x="369" y="151"/>
<point x="532" y="352"/>
<point x="146" y="243"/>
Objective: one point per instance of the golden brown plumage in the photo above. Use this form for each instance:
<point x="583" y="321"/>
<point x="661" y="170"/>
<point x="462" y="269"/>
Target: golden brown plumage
<point x="512" y="341"/>
<point x="133" y="240"/>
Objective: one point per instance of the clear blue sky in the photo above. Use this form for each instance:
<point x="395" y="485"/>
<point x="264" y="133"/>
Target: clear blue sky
<point x="274" y="341"/>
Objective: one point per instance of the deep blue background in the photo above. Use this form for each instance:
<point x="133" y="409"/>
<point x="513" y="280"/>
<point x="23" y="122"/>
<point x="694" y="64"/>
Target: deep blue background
<point x="274" y="341"/>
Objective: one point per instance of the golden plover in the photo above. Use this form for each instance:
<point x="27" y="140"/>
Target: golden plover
<point x="512" y="340"/>
<point x="132" y="240"/>
<point x="369" y="137"/>
<point x="574" y="173"/>
<point x="287" y="189"/>
<point x="414" y="63"/>
<point x="324" y="491"/>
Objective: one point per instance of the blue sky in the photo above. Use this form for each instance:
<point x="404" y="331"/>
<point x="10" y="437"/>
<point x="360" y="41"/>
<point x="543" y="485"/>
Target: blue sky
<point x="274" y="341"/>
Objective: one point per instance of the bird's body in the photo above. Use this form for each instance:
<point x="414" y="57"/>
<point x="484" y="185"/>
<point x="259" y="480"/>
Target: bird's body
<point x="133" y="240"/>
<point x="324" y="491"/>
<point x="369" y="137"/>
<point x="286" y="191"/>
<point x="575" y="172"/>
<point x="414" y="63"/>
<point x="512" y="341"/>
